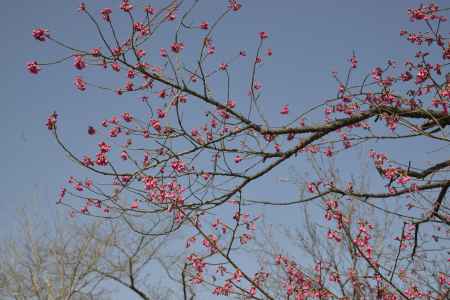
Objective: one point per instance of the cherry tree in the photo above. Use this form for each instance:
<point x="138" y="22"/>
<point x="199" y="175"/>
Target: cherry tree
<point x="186" y="162"/>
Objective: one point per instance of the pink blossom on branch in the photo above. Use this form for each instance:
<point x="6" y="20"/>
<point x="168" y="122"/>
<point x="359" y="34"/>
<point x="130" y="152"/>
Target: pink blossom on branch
<point x="177" y="47"/>
<point x="134" y="204"/>
<point x="204" y="25"/>
<point x="263" y="35"/>
<point x="33" y="67"/>
<point x="234" y="5"/>
<point x="149" y="10"/>
<point x="126" y="6"/>
<point x="51" y="121"/>
<point x="79" y="62"/>
<point x="40" y="34"/>
<point x="223" y="66"/>
<point x="79" y="83"/>
<point x="106" y="14"/>
<point x="284" y="110"/>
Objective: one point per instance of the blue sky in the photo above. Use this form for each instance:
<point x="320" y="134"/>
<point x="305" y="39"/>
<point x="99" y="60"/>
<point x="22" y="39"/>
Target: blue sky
<point x="309" y="40"/>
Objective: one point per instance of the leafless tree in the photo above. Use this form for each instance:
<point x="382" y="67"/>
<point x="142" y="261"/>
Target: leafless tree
<point x="80" y="261"/>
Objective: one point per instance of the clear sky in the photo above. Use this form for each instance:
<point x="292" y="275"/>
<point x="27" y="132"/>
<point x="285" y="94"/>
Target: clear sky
<point x="309" y="40"/>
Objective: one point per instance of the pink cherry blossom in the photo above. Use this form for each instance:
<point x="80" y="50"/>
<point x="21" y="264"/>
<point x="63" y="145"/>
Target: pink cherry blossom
<point x="79" y="83"/>
<point x="328" y="152"/>
<point x="334" y="235"/>
<point x="211" y="50"/>
<point x="79" y="62"/>
<point x="134" y="204"/>
<point x="149" y="10"/>
<point x="127" y="117"/>
<point x="51" y="121"/>
<point x="117" y="51"/>
<point x="263" y="35"/>
<point x="234" y="5"/>
<point x="82" y="7"/>
<point x="284" y="110"/>
<point x="231" y="104"/>
<point x="104" y="147"/>
<point x="161" y="113"/>
<point x="177" y="47"/>
<point x="124" y="155"/>
<point x="126" y="6"/>
<point x="163" y="52"/>
<point x="155" y="124"/>
<point x="223" y="66"/>
<point x="353" y="62"/>
<point x="406" y="76"/>
<point x="223" y="113"/>
<point x="95" y="52"/>
<point x="172" y="16"/>
<point x="131" y="74"/>
<point x="40" y="34"/>
<point x="140" y="53"/>
<point x="87" y="161"/>
<point x="129" y="86"/>
<point x="101" y="159"/>
<point x="106" y="14"/>
<point x="33" y="67"/>
<point x="115" y="66"/>
<point x="422" y="75"/>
